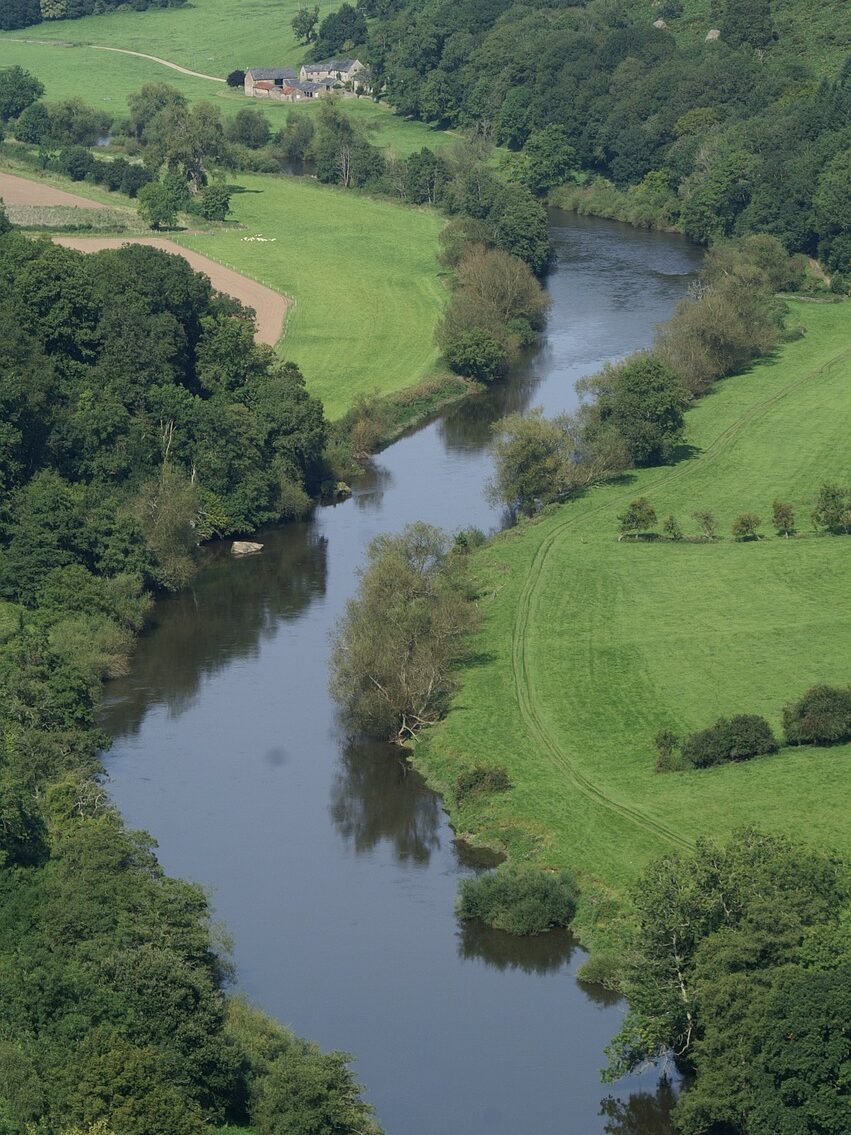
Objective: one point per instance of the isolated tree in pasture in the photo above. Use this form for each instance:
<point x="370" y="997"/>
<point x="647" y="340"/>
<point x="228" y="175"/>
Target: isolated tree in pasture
<point x="783" y="518"/>
<point x="832" y="512"/>
<point x="671" y="528"/>
<point x="746" y="526"/>
<point x="402" y="635"/>
<point x="821" y="717"/>
<point x="304" y="24"/>
<point x="706" y="522"/>
<point x="236" y="78"/>
<point x="639" y="517"/>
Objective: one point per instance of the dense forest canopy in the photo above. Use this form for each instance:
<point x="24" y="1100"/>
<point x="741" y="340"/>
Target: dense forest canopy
<point x="724" y="137"/>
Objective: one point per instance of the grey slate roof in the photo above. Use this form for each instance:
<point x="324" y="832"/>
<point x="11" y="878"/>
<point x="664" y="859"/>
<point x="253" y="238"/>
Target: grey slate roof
<point x="272" y="73"/>
<point x="330" y="65"/>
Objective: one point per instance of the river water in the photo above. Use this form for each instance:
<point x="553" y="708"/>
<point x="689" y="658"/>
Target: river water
<point x="334" y="870"/>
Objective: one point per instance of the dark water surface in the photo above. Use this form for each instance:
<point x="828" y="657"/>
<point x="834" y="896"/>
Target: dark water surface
<point x="333" y="869"/>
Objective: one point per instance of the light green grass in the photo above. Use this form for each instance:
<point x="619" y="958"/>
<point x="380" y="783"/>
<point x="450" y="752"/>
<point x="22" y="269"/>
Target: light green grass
<point x="590" y="646"/>
<point x="211" y="36"/>
<point x="104" y="79"/>
<point x="363" y="274"/>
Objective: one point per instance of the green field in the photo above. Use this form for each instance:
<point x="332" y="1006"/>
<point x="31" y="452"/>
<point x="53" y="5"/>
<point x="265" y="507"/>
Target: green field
<point x="211" y="36"/>
<point x="363" y="274"/>
<point x="105" y="78"/>
<point x="590" y="646"/>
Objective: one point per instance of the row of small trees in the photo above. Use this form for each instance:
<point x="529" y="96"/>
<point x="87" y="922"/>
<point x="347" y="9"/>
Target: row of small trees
<point x="832" y="513"/>
<point x="821" y="717"/>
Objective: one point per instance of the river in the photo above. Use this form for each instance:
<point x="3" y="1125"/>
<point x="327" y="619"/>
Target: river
<point x="332" y="868"/>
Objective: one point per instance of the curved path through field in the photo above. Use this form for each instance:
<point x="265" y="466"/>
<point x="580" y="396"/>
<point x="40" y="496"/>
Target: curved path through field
<point x="127" y="51"/>
<point x="527" y="701"/>
<point x="270" y="306"/>
<point x="23" y="191"/>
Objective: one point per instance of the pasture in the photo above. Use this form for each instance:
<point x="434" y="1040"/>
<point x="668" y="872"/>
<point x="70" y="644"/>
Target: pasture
<point x="363" y="275"/>
<point x="590" y="646"/>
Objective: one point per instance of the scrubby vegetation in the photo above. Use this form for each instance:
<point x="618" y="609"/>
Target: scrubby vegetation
<point x="738" y="738"/>
<point x="520" y="899"/>
<point x="481" y="780"/>
<point x="821" y="717"/>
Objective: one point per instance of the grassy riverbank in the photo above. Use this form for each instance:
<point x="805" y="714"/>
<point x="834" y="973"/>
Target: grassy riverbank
<point x="363" y="273"/>
<point x="591" y="646"/>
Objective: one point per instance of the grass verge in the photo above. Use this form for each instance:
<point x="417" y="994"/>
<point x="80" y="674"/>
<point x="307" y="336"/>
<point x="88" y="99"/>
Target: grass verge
<point x="591" y="646"/>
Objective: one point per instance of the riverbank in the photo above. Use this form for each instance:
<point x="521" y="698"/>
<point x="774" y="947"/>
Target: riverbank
<point x="591" y="646"/>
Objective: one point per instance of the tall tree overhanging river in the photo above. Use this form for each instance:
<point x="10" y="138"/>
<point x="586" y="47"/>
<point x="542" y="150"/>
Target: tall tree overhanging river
<point x="333" y="870"/>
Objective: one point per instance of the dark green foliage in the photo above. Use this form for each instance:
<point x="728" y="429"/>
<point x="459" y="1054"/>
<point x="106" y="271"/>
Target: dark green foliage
<point x="747" y="22"/>
<point x="476" y="354"/>
<point x="671" y="528"/>
<point x="75" y="162"/>
<point x="643" y="401"/>
<point x="738" y="739"/>
<point x="340" y="32"/>
<point x="18" y="88"/>
<point x="215" y="202"/>
<point x="304" y="24"/>
<point x="250" y="128"/>
<point x="717" y="972"/>
<point x="34" y="125"/>
<point x="5" y="223"/>
<point x="519" y="898"/>
<point x="481" y="781"/>
<point x="236" y="78"/>
<point x="821" y="717"/>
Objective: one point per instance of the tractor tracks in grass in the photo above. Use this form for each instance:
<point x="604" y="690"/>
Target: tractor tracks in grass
<point x="534" y="721"/>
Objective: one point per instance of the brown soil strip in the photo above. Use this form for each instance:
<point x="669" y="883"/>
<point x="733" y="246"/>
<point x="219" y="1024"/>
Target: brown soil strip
<point x="271" y="307"/>
<point x="21" y="191"/>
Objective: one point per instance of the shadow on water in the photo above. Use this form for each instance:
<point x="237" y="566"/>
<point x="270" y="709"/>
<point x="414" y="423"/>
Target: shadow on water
<point x="376" y="798"/>
<point x="642" y="1113"/>
<point x="233" y="607"/>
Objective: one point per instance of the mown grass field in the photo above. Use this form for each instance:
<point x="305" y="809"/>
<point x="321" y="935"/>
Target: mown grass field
<point x="590" y="646"/>
<point x="211" y="36"/>
<point x="363" y="274"/>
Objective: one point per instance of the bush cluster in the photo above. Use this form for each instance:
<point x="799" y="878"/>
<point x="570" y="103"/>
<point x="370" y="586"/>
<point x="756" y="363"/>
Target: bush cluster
<point x="481" y="780"/>
<point x="519" y="898"/>
<point x="821" y="717"/>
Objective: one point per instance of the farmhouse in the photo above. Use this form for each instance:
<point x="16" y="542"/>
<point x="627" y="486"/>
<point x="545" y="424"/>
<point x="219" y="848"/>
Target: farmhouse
<point x="313" y="81"/>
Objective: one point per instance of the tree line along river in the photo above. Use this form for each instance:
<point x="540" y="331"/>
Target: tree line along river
<point x="333" y="869"/>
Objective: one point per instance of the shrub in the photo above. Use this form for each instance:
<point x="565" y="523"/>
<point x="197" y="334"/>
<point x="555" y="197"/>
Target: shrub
<point x="783" y="518"/>
<point x="476" y="354"/>
<point x="215" y="202"/>
<point x="706" y="522"/>
<point x="75" y="162"/>
<point x="601" y="969"/>
<point x="821" y="717"/>
<point x="832" y="512"/>
<point x="638" y="518"/>
<point x="236" y="78"/>
<point x="745" y="526"/>
<point x="737" y="739"/>
<point x="480" y="781"/>
<point x="671" y="528"/>
<point x="519" y="898"/>
<point x="668" y="758"/>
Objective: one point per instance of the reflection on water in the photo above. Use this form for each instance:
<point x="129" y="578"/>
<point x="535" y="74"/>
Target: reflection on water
<point x="544" y="953"/>
<point x="334" y="868"/>
<point x="376" y="797"/>
<point x="643" y="1113"/>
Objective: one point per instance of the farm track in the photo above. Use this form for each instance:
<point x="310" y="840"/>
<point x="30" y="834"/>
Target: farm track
<point x="127" y="51"/>
<point x="526" y="609"/>
<point x="270" y="307"/>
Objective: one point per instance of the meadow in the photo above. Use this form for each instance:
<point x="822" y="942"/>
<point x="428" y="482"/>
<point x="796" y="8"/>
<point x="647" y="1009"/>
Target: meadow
<point x="104" y="79"/>
<point x="363" y="274"/>
<point x="590" y="646"/>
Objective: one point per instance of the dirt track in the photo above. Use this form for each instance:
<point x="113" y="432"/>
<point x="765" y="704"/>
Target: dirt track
<point x="21" y="191"/>
<point x="271" y="308"/>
